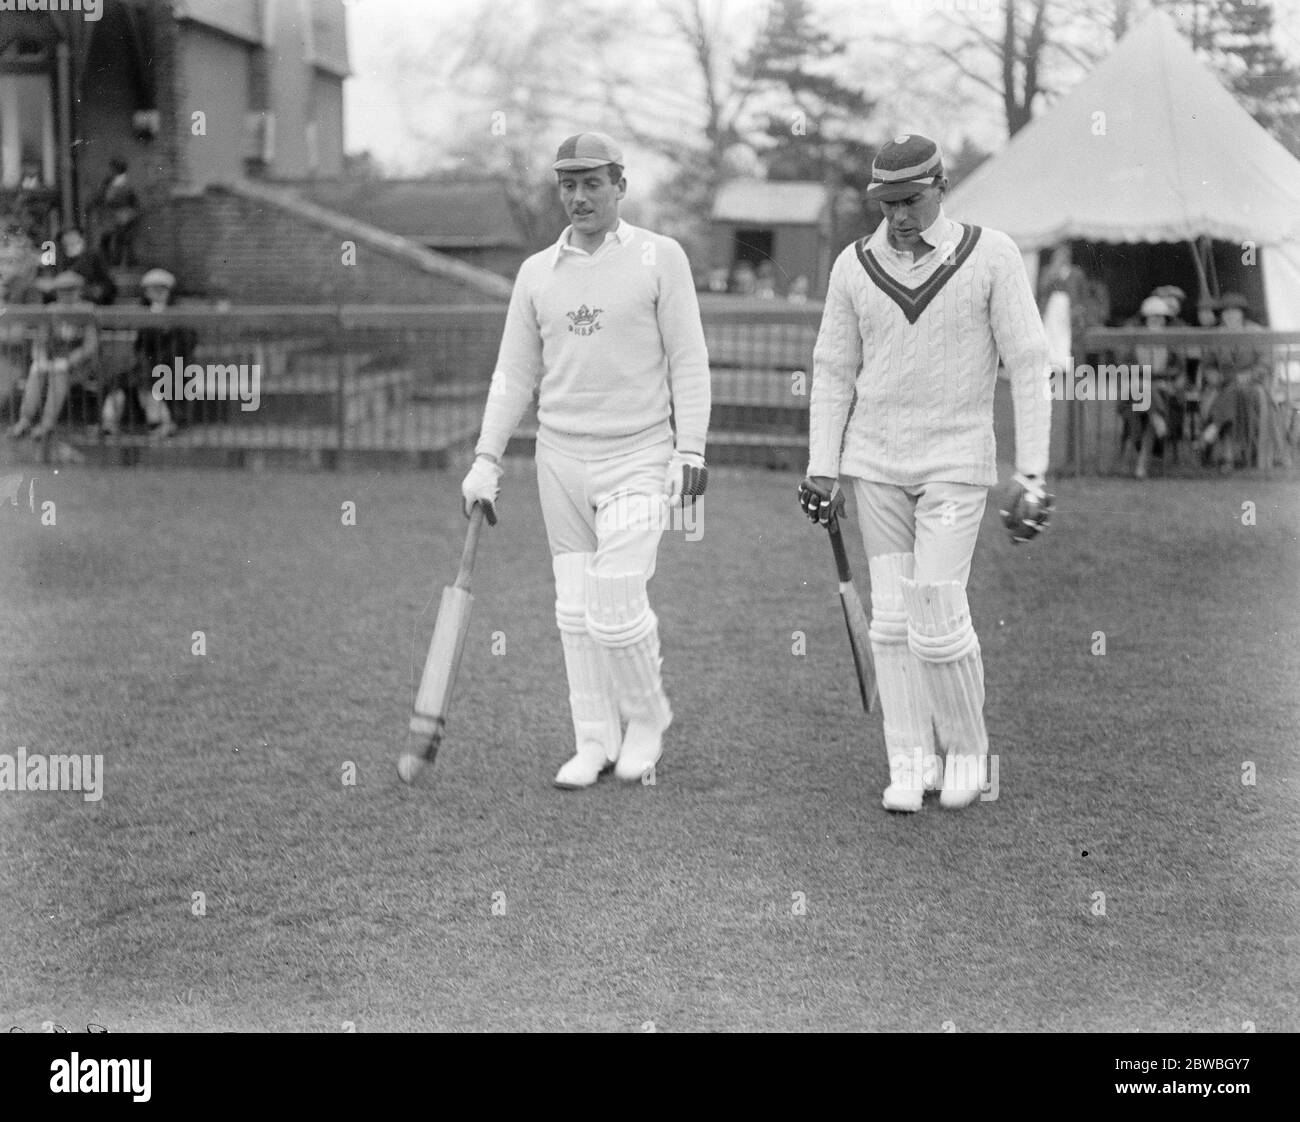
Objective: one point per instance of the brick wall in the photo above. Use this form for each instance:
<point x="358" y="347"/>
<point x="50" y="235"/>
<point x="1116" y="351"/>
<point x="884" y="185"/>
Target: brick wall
<point x="249" y="251"/>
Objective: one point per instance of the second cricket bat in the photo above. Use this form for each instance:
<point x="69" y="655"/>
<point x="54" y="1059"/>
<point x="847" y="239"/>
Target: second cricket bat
<point x="855" y="619"/>
<point x="433" y="700"/>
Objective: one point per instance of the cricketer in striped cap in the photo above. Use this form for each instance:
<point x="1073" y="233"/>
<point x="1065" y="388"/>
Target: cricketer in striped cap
<point x="905" y="166"/>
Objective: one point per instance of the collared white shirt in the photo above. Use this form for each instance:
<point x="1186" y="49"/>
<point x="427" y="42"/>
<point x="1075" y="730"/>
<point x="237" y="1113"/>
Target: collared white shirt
<point x="621" y="234"/>
<point x="942" y="235"/>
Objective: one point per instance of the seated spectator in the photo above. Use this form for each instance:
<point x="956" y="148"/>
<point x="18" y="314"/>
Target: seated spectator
<point x="74" y="254"/>
<point x="798" y="293"/>
<point x="154" y="346"/>
<point x="1175" y="298"/>
<point x="1243" y="417"/>
<point x="19" y="261"/>
<point x="65" y="350"/>
<point x="743" y="279"/>
<point x="765" y="281"/>
<point x="1149" y="429"/>
<point x="717" y="280"/>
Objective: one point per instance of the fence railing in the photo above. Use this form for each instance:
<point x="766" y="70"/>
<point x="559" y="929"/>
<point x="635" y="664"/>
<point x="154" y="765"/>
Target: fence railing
<point x="322" y="382"/>
<point x="408" y="384"/>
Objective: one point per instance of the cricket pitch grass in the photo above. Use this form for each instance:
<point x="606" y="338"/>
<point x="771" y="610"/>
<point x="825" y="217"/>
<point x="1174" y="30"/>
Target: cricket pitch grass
<point x="243" y="659"/>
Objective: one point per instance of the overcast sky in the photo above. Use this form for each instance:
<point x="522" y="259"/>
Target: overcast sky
<point x="402" y="125"/>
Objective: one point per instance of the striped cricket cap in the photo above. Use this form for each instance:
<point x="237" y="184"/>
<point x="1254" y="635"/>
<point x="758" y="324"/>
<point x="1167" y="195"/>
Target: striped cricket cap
<point x="587" y="150"/>
<point x="903" y="166"/>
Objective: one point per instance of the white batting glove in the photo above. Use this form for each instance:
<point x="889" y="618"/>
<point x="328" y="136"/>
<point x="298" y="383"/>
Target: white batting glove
<point x="686" y="477"/>
<point x="482" y="485"/>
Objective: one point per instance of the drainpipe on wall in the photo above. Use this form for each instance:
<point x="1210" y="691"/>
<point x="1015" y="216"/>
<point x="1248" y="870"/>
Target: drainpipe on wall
<point x="63" y="80"/>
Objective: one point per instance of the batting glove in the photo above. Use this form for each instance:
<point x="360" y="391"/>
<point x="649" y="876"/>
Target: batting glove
<point x="686" y="477"/>
<point x="821" y="498"/>
<point x="1028" y="508"/>
<point x="482" y="485"/>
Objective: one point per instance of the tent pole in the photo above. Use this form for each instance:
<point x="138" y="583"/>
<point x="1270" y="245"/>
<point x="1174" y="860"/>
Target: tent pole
<point x="1200" y="267"/>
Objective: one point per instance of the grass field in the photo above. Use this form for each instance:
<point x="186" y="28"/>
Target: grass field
<point x="371" y="904"/>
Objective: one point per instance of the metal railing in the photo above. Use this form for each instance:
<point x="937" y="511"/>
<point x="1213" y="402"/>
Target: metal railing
<point x="407" y="385"/>
<point x="313" y="383"/>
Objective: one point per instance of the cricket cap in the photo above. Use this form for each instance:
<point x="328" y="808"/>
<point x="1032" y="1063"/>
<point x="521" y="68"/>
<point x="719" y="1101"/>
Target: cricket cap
<point x="587" y="150"/>
<point x="904" y="166"/>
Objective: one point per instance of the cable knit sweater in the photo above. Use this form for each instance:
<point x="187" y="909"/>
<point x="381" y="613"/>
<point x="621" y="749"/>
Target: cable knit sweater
<point x="616" y="340"/>
<point x="924" y="409"/>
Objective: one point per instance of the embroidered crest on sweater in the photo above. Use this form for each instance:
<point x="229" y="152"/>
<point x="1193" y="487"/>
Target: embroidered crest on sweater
<point x="913" y="301"/>
<point x="585" y="320"/>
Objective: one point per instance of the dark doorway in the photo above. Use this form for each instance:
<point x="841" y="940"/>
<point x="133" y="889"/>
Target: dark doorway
<point x="754" y="246"/>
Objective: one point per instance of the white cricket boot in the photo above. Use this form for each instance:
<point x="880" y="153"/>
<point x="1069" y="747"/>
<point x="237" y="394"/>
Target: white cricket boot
<point x="914" y="767"/>
<point x="942" y="637"/>
<point x="597" y="729"/>
<point x="906" y="783"/>
<point x="620" y="619"/>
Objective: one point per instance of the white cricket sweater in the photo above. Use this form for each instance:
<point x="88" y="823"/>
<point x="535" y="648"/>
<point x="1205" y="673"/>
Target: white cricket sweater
<point x="616" y="340"/>
<point x="924" y="410"/>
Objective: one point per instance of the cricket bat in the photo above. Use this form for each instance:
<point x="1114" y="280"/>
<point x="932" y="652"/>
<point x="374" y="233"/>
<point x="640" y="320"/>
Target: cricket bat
<point x="855" y="619"/>
<point x="433" y="700"/>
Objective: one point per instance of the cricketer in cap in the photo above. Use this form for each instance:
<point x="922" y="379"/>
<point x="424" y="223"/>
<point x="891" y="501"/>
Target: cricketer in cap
<point x="918" y="317"/>
<point x="606" y="326"/>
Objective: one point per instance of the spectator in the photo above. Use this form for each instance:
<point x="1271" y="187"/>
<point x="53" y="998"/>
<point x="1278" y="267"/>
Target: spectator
<point x="742" y="279"/>
<point x="1243" y="408"/>
<point x="18" y="266"/>
<point x="798" y="293"/>
<point x="66" y="349"/>
<point x="718" y="280"/>
<point x="75" y="255"/>
<point x="119" y="215"/>
<point x="1175" y="297"/>
<point x="1163" y="419"/>
<point x="154" y="346"/>
<point x="765" y="281"/>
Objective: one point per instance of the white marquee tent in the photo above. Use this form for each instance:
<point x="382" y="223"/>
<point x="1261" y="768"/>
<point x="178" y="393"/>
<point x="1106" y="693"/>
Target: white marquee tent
<point x="1150" y="147"/>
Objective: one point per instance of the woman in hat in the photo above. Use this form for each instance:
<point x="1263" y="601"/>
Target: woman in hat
<point x="1162" y="420"/>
